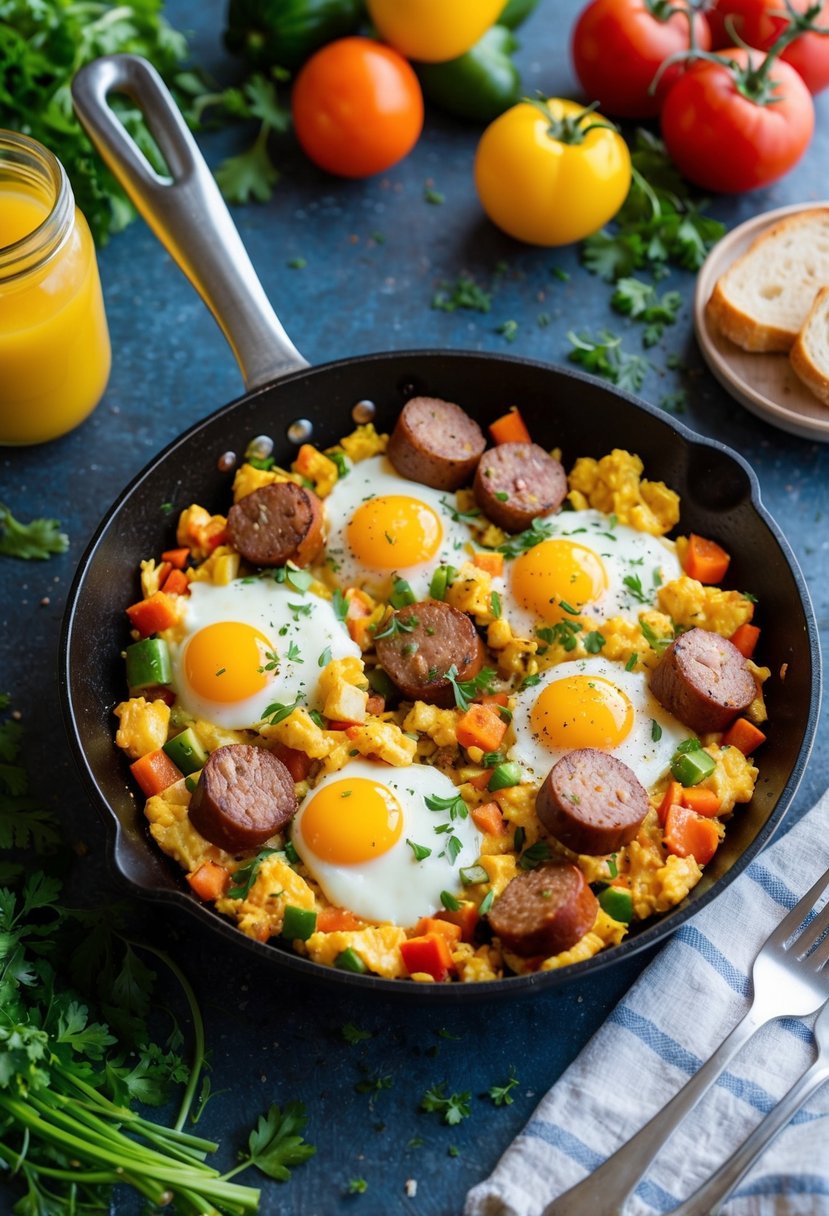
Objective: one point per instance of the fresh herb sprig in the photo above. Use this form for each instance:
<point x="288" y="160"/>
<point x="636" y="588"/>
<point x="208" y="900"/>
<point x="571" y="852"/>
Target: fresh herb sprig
<point x="38" y="540"/>
<point x="603" y="355"/>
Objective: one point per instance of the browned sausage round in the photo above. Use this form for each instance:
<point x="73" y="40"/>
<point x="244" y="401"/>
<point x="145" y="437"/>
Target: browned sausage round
<point x="426" y="639"/>
<point x="276" y="524"/>
<point x="436" y="443"/>
<point x="592" y="802"/>
<point x="243" y="797"/>
<point x="703" y="680"/>
<point x="544" y="911"/>
<point x="517" y="482"/>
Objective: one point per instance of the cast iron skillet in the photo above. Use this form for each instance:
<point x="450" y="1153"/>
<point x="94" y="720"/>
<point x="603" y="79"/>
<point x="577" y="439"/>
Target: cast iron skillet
<point x="720" y="497"/>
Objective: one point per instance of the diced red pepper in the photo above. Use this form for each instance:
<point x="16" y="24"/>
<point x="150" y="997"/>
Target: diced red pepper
<point x="153" y="614"/>
<point x="428" y="955"/>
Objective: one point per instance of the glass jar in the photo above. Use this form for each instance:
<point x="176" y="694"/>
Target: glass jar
<point x="54" y="343"/>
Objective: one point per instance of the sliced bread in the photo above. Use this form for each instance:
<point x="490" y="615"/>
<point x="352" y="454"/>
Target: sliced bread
<point x="810" y="354"/>
<point x="762" y="299"/>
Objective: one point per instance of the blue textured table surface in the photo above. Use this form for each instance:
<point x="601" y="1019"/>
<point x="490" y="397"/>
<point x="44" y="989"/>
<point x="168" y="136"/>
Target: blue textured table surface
<point x="375" y="253"/>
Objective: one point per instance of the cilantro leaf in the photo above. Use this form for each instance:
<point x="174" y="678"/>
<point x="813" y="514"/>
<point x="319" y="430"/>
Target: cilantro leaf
<point x="36" y="540"/>
<point x="276" y="1143"/>
<point x="501" y="1095"/>
<point x="463" y="293"/>
<point x="603" y="355"/>
<point x="465" y="690"/>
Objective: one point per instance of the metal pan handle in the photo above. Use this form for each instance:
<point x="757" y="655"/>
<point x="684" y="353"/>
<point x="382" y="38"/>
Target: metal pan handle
<point x="185" y="211"/>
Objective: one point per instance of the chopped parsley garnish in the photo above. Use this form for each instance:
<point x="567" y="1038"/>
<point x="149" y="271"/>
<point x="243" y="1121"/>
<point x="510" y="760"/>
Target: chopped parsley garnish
<point x="300" y="609"/>
<point x="449" y="901"/>
<point x="456" y="806"/>
<point x="534" y="855"/>
<point x="297" y="579"/>
<point x="294" y="653"/>
<point x="453" y="848"/>
<point x="356" y="1186"/>
<point x="395" y="625"/>
<point x="277" y="1143"/>
<point x="463" y="293"/>
<point x="508" y="330"/>
<point x="656" y="730"/>
<point x="452" y="1107"/>
<point x="278" y="711"/>
<point x="657" y="644"/>
<point x="612" y="867"/>
<point x="634" y="585"/>
<point x="420" y="850"/>
<point x="529" y="681"/>
<point x="640" y="300"/>
<point x="594" y="641"/>
<point x="37" y="540"/>
<point x="602" y="355"/>
<point x="495" y="605"/>
<point x="460" y="517"/>
<point x="245" y="876"/>
<point x="486" y="903"/>
<point x="632" y="661"/>
<point x="522" y="541"/>
<point x="325" y="657"/>
<point x="430" y="195"/>
<point x="501" y="1095"/>
<point x="272" y="663"/>
<point x="353" y="1034"/>
<point x="465" y="690"/>
<point x="401" y="593"/>
<point x="340" y="605"/>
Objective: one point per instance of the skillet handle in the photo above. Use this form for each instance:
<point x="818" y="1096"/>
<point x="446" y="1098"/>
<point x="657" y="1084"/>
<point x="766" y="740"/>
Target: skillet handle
<point x="185" y="211"/>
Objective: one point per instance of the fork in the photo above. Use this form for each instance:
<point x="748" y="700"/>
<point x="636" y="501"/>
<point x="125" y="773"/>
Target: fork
<point x="707" y="1198"/>
<point x="789" y="979"/>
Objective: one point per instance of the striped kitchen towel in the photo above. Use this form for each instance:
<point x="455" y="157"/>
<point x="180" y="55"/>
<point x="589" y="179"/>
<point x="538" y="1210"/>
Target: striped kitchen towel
<point x="674" y="1016"/>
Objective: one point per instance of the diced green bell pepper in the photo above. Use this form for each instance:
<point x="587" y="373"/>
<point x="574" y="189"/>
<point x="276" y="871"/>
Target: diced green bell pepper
<point x="504" y="775"/>
<point x="298" y="923"/>
<point x="689" y="767"/>
<point x="148" y="664"/>
<point x="186" y="752"/>
<point x="617" y="903"/>
<point x="349" y="960"/>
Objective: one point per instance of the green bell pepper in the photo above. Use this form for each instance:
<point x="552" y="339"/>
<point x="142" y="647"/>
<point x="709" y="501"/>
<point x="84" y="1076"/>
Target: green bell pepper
<point x="186" y="752"/>
<point x="516" y="12"/>
<point x="479" y="85"/>
<point x="284" y="33"/>
<point x="148" y="664"/>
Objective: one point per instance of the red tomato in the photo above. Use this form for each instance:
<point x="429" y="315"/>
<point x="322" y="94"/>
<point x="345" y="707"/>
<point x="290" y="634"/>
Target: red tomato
<point x="723" y="141"/>
<point x="759" y="22"/>
<point x="357" y="107"/>
<point x="619" y="45"/>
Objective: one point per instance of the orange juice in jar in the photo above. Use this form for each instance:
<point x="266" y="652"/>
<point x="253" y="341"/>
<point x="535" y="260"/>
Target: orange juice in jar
<point x="54" y="343"/>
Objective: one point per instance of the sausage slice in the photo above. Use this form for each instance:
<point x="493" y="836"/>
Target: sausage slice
<point x="544" y="911"/>
<point x="703" y="680"/>
<point x="243" y="797"/>
<point x="277" y="523"/>
<point x="592" y="802"/>
<point x="424" y="641"/>
<point x="436" y="443"/>
<point x="515" y="483"/>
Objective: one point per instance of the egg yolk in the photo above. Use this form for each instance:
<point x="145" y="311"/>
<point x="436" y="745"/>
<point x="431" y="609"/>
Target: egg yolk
<point x="558" y="572"/>
<point x="393" y="531"/>
<point x="582" y="711"/>
<point x="352" y="820"/>
<point x="226" y="661"/>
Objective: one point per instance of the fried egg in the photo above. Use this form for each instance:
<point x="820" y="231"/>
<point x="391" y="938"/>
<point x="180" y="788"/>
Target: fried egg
<point x="375" y="846"/>
<point x="588" y="566"/>
<point x="380" y="524"/>
<point x="594" y="703"/>
<point x="250" y="644"/>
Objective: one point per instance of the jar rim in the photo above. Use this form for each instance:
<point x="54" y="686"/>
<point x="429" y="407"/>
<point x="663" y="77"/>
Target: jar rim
<point x="37" y="247"/>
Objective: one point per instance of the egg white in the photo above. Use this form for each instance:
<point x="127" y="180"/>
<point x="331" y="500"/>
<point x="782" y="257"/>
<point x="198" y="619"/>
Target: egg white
<point x="395" y="887"/>
<point x="299" y="627"/>
<point x="646" y="561"/>
<point x="648" y="757"/>
<point x="374" y="478"/>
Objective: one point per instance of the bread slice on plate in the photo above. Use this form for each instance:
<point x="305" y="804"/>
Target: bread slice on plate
<point x="810" y="354"/>
<point x="762" y="300"/>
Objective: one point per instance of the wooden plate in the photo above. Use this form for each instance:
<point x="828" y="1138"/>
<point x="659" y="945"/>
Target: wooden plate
<point x="764" y="384"/>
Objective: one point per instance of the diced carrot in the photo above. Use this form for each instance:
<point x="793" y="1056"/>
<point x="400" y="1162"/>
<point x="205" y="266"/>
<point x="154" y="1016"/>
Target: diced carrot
<point x="743" y="735"/>
<point x="375" y="704"/>
<point x="176" y="583"/>
<point x="163" y="570"/>
<point x="688" y="834"/>
<point x="153" y="614"/>
<point x="481" y="726"/>
<point x="672" y="794"/>
<point x="481" y="780"/>
<point x="488" y="817"/>
<point x="510" y="428"/>
<point x="494" y="698"/>
<point x="359" y="631"/>
<point x="209" y="881"/>
<point x="334" y="920"/>
<point x="702" y="800"/>
<point x="428" y="955"/>
<point x="465" y="917"/>
<point x="295" y="761"/>
<point x="305" y="459"/>
<point x="436" y="924"/>
<point x="745" y="638"/>
<point x="155" y="772"/>
<point x="705" y="560"/>
<point x="489" y="560"/>
<point x="178" y="558"/>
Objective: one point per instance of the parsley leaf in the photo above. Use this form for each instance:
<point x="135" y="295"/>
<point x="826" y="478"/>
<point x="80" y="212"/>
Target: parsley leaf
<point x="538" y="531"/>
<point x="640" y="300"/>
<point x="452" y="1107"/>
<point x="465" y="690"/>
<point x="276" y="1143"/>
<point x="353" y="1034"/>
<point x="603" y="355"/>
<point x="36" y="540"/>
<point x="501" y="1095"/>
<point x="463" y="293"/>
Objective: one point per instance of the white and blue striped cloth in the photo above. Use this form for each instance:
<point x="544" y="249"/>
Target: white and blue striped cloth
<point x="673" y="1017"/>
